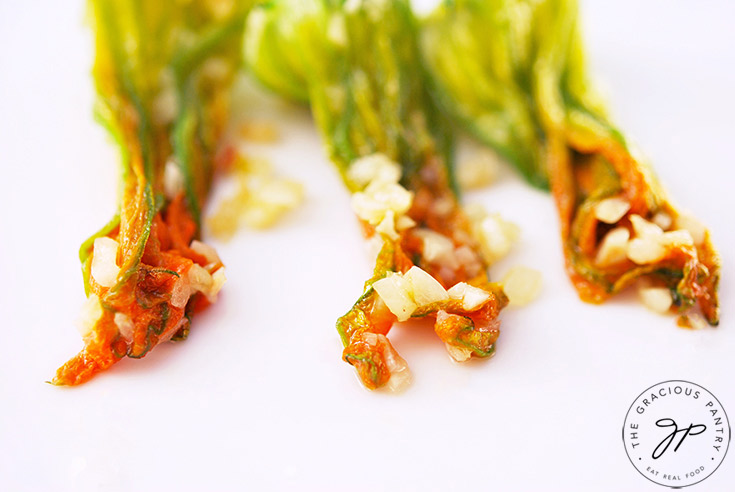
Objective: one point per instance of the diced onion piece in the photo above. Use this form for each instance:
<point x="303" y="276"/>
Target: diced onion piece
<point x="693" y="225"/>
<point x="125" y="325"/>
<point x="400" y="375"/>
<point x="104" y="269"/>
<point x="438" y="248"/>
<point x="173" y="180"/>
<point x="695" y="321"/>
<point x="404" y="222"/>
<point x="495" y="235"/>
<point x="180" y="293"/>
<point x="657" y="299"/>
<point x="91" y="312"/>
<point x="394" y="290"/>
<point x="373" y="168"/>
<point x="218" y="280"/>
<point x="663" y="220"/>
<point x="378" y="198"/>
<point x="459" y="354"/>
<point x="425" y="289"/>
<point x="611" y="210"/>
<point x="643" y="251"/>
<point x="677" y="238"/>
<point x="469" y="260"/>
<point x="614" y="247"/>
<point x="644" y="228"/>
<point x="522" y="285"/>
<point x="387" y="226"/>
<point x="206" y="251"/>
<point x="480" y="170"/>
<point x="472" y="297"/>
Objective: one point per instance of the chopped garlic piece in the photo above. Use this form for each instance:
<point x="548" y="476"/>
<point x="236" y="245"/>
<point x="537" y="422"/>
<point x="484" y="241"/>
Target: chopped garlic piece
<point x="693" y="225"/>
<point x="657" y="299"/>
<point x="459" y="354"/>
<point x="522" y="285"/>
<point x="372" y="168"/>
<point x="394" y="290"/>
<point x="378" y="198"/>
<point x="400" y="375"/>
<point x="694" y="321"/>
<point x="472" y="297"/>
<point x="104" y="269"/>
<point x="438" y="248"/>
<point x="125" y="325"/>
<point x="644" y="228"/>
<point x="90" y="314"/>
<point x="663" y="220"/>
<point x="173" y="180"/>
<point x="387" y="226"/>
<point x="496" y="237"/>
<point x="480" y="170"/>
<point x="424" y="289"/>
<point x="404" y="222"/>
<point x="206" y="251"/>
<point x="677" y="238"/>
<point x="611" y="210"/>
<point x="614" y="248"/>
<point x="643" y="251"/>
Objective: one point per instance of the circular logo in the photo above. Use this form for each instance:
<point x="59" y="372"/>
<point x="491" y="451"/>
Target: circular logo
<point x="676" y="433"/>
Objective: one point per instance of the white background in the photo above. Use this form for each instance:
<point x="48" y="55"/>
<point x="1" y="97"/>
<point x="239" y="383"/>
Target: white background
<point x="258" y="397"/>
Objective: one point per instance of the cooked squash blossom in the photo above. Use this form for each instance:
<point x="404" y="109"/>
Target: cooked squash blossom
<point x="162" y="71"/>
<point x="512" y="72"/>
<point x="357" y="64"/>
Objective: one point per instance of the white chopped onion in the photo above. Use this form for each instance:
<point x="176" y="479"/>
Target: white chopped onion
<point x="657" y="299"/>
<point x="611" y="210"/>
<point x="459" y="354"/>
<point x="378" y="198"/>
<point x="173" y="180"/>
<point x="387" y="226"/>
<point x="472" y="297"/>
<point x="90" y="313"/>
<point x="400" y="376"/>
<point x="125" y="325"/>
<point x="479" y="170"/>
<point x="522" y="285"/>
<point x="437" y="248"/>
<point x="104" y="269"/>
<point x="644" y="228"/>
<point x="643" y="251"/>
<point x="424" y="289"/>
<point x="373" y="168"/>
<point x="614" y="247"/>
<point x="206" y="251"/>
<point x="394" y="290"/>
<point x="693" y="225"/>
<point x="495" y="235"/>
<point x="404" y="222"/>
<point x="677" y="238"/>
<point x="663" y="220"/>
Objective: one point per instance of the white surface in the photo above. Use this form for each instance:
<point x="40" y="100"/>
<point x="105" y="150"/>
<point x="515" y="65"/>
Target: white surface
<point x="258" y="397"/>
